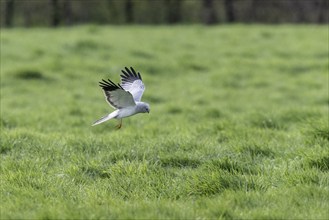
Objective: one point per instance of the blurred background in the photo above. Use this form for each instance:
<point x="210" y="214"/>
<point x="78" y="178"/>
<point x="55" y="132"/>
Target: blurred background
<point x="70" y="12"/>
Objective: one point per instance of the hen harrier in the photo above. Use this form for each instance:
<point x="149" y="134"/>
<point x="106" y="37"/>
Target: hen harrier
<point x="125" y="98"/>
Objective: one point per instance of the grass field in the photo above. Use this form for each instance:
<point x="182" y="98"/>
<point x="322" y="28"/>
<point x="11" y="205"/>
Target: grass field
<point x="238" y="127"/>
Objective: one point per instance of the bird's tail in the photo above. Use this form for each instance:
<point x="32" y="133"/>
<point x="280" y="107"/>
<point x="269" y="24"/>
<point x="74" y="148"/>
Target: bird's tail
<point x="105" y="118"/>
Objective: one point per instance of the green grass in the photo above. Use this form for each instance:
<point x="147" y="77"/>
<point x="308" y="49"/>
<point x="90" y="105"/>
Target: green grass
<point x="238" y="127"/>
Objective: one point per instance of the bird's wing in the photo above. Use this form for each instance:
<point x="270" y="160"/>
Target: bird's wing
<point x="132" y="82"/>
<point x="116" y="96"/>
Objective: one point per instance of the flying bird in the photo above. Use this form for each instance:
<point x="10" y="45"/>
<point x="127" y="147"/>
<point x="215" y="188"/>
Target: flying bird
<point x="125" y="97"/>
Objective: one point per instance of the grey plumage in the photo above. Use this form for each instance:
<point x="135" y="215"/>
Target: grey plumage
<point x="125" y="97"/>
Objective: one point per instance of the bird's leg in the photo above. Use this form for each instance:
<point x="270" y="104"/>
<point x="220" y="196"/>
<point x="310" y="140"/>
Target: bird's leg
<point x="120" y="124"/>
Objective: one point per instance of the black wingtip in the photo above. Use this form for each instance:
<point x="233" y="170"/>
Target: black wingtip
<point x="130" y="73"/>
<point x="133" y="71"/>
<point x="109" y="85"/>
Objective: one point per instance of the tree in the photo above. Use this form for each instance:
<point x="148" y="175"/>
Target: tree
<point x="301" y="8"/>
<point x="229" y="9"/>
<point x="129" y="11"/>
<point x="173" y="11"/>
<point x="55" y="19"/>
<point x="67" y="9"/>
<point x="209" y="12"/>
<point x="323" y="11"/>
<point x="9" y="13"/>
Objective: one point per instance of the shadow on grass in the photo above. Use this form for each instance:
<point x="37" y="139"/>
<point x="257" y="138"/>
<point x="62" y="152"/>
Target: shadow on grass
<point x="175" y="110"/>
<point x="142" y="54"/>
<point x="95" y="172"/>
<point x="29" y="74"/>
<point x="179" y="162"/>
<point x="231" y="166"/>
<point x="166" y="162"/>
<point x="319" y="132"/>
<point x="321" y="164"/>
<point x="257" y="151"/>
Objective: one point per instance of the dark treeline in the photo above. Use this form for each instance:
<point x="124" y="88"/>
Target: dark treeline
<point x="69" y="12"/>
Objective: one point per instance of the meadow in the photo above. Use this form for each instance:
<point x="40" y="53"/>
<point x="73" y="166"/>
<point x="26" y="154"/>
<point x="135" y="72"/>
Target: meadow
<point x="238" y="127"/>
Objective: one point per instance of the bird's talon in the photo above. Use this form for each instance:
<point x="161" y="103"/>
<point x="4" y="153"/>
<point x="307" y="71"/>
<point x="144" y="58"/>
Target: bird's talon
<point x="118" y="126"/>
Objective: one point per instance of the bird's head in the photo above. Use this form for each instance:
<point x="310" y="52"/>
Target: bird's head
<point x="144" y="107"/>
<point x="147" y="108"/>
